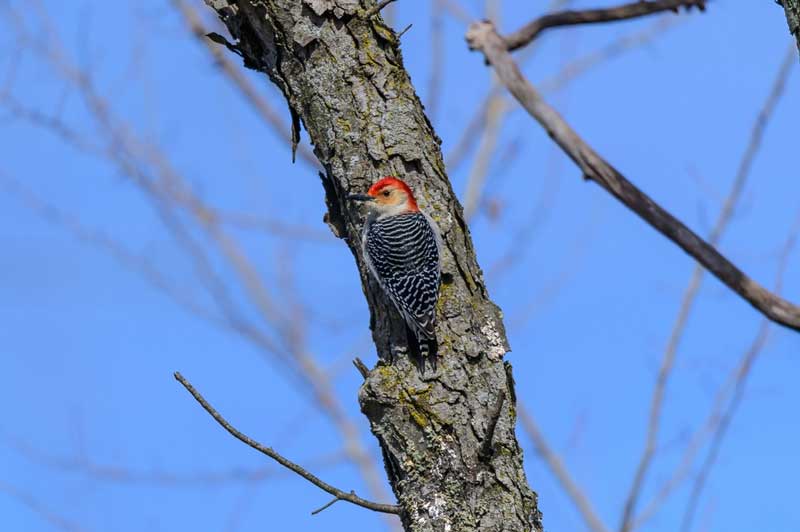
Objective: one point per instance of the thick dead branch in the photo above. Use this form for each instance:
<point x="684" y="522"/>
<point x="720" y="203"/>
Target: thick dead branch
<point x="263" y="449"/>
<point x="641" y="8"/>
<point x="482" y="36"/>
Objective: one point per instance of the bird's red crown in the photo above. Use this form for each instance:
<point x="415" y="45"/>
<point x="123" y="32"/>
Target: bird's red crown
<point x="393" y="182"/>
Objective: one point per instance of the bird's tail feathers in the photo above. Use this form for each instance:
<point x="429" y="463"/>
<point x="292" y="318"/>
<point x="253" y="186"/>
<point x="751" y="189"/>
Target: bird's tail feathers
<point x="429" y="352"/>
<point x="424" y="345"/>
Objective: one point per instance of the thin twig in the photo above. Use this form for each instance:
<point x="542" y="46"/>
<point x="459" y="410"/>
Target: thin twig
<point x="556" y="466"/>
<point x="377" y="7"/>
<point x="742" y="374"/>
<point x="705" y="469"/>
<point x="725" y="215"/>
<point x="268" y="451"/>
<point x="482" y="36"/>
<point x="329" y="504"/>
<point x="404" y="30"/>
<point x="640" y="8"/>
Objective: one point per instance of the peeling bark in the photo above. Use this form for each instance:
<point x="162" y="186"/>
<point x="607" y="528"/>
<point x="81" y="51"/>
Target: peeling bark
<point x="343" y="77"/>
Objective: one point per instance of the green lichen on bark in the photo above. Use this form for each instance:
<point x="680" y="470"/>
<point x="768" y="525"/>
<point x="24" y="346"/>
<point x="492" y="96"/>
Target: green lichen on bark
<point x="343" y="76"/>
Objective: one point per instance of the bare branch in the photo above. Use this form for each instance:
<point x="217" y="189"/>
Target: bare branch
<point x="641" y="8"/>
<point x="693" y="288"/>
<point x="556" y="466"/>
<point x="268" y="451"/>
<point x="482" y="36"/>
<point x="403" y="31"/>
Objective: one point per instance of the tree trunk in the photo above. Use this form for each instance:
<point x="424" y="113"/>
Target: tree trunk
<point x="343" y="76"/>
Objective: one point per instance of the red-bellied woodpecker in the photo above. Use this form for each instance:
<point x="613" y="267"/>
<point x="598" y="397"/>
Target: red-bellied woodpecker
<point x="402" y="248"/>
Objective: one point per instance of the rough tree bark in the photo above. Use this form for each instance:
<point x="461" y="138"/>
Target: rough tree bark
<point x="792" y="8"/>
<point x="342" y="75"/>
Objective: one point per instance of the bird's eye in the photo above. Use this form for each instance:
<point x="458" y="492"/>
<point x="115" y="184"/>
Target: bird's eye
<point x="386" y="193"/>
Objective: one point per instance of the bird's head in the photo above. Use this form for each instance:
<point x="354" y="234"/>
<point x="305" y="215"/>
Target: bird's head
<point x="388" y="196"/>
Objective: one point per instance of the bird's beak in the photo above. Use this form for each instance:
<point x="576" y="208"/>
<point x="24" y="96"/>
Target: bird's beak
<point x="360" y="197"/>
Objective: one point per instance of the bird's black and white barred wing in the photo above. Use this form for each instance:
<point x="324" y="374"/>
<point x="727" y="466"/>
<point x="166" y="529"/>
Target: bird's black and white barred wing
<point x="403" y="252"/>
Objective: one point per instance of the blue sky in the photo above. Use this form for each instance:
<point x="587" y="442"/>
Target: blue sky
<point x="96" y="432"/>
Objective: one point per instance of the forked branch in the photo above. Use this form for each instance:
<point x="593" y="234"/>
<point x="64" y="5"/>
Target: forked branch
<point x="482" y="36"/>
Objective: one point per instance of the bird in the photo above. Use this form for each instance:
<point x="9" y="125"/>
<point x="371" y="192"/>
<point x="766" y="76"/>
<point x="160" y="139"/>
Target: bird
<point x="402" y="247"/>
